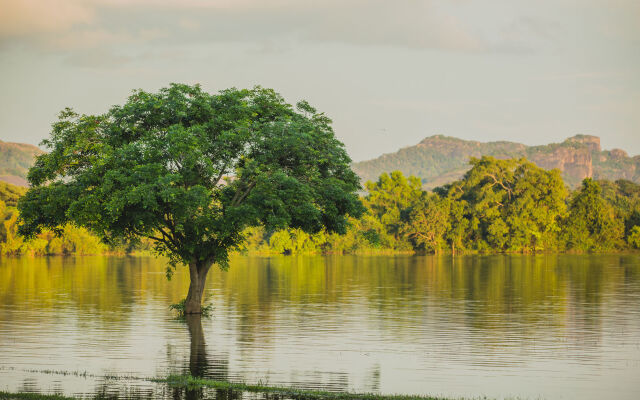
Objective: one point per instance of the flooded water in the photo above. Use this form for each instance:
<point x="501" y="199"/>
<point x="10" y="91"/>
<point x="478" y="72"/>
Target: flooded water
<point x="557" y="327"/>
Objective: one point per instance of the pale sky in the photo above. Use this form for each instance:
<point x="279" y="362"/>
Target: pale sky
<point x="389" y="73"/>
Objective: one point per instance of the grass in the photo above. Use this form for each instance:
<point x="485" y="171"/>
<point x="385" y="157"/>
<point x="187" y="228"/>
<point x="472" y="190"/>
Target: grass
<point x="190" y="382"/>
<point x="179" y="307"/>
<point x="32" y="396"/>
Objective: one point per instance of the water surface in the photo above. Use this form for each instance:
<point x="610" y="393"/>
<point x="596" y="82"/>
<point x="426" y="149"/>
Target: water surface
<point x="532" y="326"/>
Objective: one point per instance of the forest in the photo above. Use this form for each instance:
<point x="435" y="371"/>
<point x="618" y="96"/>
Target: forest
<point x="499" y="206"/>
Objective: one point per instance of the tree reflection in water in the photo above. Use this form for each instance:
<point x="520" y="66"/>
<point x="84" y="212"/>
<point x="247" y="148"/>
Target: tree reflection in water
<point x="198" y="365"/>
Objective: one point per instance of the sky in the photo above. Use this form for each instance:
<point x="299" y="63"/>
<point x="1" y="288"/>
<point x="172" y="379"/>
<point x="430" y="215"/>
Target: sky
<point x="389" y="73"/>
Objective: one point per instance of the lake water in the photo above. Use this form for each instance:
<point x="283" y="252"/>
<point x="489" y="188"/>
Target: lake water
<point x="557" y="327"/>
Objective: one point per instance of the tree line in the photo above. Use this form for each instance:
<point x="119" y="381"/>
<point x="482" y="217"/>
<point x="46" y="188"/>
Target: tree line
<point x="68" y="239"/>
<point x="498" y="206"/>
<point x="509" y="206"/>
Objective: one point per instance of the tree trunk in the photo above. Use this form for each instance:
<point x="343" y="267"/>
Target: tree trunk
<point x="198" y="276"/>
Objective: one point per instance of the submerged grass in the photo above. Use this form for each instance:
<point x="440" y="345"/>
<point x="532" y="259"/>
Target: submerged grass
<point x="32" y="396"/>
<point x="180" y="308"/>
<point x="189" y="382"/>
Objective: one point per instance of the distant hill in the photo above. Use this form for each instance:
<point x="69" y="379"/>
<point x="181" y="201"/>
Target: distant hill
<point x="439" y="159"/>
<point x="15" y="160"/>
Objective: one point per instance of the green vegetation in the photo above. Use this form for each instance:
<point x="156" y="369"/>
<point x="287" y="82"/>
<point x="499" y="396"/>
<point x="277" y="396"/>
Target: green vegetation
<point x="633" y="239"/>
<point x="32" y="396"/>
<point x="190" y="171"/>
<point x="592" y="223"/>
<point x="506" y="205"/>
<point x="190" y="382"/>
<point x="499" y="206"/>
<point x="68" y="239"/>
<point x="180" y="308"/>
<point x="9" y="194"/>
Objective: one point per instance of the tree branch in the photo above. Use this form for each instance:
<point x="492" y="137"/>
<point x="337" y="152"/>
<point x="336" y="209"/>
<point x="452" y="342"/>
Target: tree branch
<point x="165" y="242"/>
<point x="238" y="197"/>
<point x="496" y="181"/>
<point x="222" y="171"/>
<point x="170" y="245"/>
<point x="246" y="193"/>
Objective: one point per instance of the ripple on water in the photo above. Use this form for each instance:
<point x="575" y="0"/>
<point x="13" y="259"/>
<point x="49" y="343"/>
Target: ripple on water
<point x="551" y="326"/>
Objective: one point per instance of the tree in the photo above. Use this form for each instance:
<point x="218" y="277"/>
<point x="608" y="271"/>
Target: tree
<point x="426" y="223"/>
<point x="487" y="191"/>
<point x="190" y="171"/>
<point x="624" y="197"/>
<point x="634" y="237"/>
<point x="537" y="209"/>
<point x="592" y="223"/>
<point x="505" y="205"/>
<point x="388" y="200"/>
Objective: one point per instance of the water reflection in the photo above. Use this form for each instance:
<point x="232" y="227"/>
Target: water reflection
<point x="198" y="364"/>
<point x="497" y="325"/>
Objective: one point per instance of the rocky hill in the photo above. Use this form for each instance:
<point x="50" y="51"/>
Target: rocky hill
<point x="440" y="159"/>
<point x="436" y="160"/>
<point x="15" y="160"/>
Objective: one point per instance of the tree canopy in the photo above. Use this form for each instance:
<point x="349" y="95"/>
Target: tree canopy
<point x="191" y="170"/>
<point x="508" y="205"/>
<point x="592" y="222"/>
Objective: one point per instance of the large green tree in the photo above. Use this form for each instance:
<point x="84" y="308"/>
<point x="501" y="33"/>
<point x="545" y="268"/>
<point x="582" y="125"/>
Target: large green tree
<point x="389" y="200"/>
<point x="506" y="205"/>
<point x="426" y="222"/>
<point x="624" y="197"/>
<point x="592" y="224"/>
<point x="190" y="171"/>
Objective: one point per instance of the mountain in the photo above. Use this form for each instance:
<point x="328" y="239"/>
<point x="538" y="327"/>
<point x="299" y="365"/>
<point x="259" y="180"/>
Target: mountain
<point x="439" y="159"/>
<point x="15" y="160"/>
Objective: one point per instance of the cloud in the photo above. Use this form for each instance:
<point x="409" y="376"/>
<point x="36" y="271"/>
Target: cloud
<point x="526" y="33"/>
<point x="412" y="23"/>
<point x="28" y="17"/>
<point x="97" y="58"/>
<point x="460" y="26"/>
